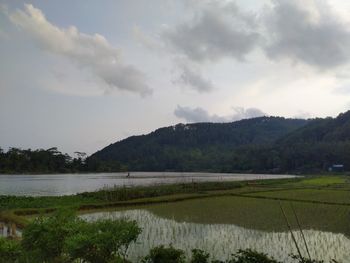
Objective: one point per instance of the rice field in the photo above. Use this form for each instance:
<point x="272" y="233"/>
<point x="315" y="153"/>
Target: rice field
<point x="254" y="213"/>
<point x="224" y="224"/>
<point x="224" y="239"/>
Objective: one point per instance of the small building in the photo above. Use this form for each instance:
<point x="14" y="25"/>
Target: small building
<point x="336" y="168"/>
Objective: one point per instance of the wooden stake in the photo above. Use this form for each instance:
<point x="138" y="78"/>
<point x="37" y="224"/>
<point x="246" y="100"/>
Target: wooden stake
<point x="301" y="231"/>
<point x="291" y="232"/>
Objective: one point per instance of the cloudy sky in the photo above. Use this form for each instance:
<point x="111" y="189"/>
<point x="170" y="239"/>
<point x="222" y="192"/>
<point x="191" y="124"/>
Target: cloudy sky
<point x="83" y="74"/>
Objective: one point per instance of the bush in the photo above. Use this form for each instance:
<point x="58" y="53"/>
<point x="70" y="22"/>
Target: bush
<point x="199" y="256"/>
<point x="102" y="241"/>
<point x="44" y="238"/>
<point x="163" y="254"/>
<point x="251" y="256"/>
<point x="10" y="250"/>
<point x="64" y="237"/>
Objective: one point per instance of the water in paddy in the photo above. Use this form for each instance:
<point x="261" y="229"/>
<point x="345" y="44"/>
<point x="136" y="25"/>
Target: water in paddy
<point x="225" y="224"/>
<point x="67" y="184"/>
<point x="8" y="230"/>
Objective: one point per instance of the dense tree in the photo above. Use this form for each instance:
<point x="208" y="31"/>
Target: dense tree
<point x="16" y="160"/>
<point x="196" y="147"/>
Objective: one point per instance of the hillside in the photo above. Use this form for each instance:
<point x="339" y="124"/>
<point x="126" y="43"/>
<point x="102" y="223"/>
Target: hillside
<point x="322" y="130"/>
<point x="196" y="147"/>
<point x="316" y="146"/>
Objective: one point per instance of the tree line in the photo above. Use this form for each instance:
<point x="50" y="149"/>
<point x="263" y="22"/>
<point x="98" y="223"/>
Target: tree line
<point x="17" y="160"/>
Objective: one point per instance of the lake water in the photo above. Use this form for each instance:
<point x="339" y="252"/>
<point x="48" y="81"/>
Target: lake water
<point x="224" y="239"/>
<point x="67" y="184"/>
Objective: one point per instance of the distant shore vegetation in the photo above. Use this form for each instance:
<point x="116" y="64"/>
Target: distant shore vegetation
<point x="47" y="161"/>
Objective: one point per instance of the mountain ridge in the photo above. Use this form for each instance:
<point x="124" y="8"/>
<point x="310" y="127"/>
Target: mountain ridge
<point x="194" y="141"/>
<point x="263" y="144"/>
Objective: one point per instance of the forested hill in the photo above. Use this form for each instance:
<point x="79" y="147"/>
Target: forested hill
<point x="198" y="146"/>
<point x="316" y="146"/>
<point x="259" y="145"/>
<point x="322" y="130"/>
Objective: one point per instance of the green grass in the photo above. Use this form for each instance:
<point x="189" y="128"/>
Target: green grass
<point x="323" y="181"/>
<point x="318" y="195"/>
<point x="113" y="195"/>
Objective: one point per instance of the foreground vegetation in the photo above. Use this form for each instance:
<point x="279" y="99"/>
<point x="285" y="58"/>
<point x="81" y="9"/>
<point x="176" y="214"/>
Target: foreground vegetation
<point x="246" y="204"/>
<point x="65" y="238"/>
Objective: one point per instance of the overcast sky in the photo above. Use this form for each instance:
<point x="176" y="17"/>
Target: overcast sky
<point x="82" y="74"/>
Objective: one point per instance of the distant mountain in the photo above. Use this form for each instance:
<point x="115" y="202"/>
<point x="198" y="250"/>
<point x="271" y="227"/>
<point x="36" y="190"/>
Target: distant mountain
<point x="198" y="146"/>
<point x="258" y="145"/>
<point x="316" y="146"/>
<point x="322" y="130"/>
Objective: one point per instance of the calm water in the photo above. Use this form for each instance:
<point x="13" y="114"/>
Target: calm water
<point x="67" y="184"/>
<point x="224" y="239"/>
<point x="7" y="230"/>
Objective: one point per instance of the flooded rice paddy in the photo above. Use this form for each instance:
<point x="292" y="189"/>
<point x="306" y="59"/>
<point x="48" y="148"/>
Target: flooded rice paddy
<point x="224" y="239"/>
<point x="223" y="225"/>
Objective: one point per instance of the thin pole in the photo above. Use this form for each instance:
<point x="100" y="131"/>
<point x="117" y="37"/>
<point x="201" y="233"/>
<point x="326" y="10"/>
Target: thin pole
<point x="301" y="231"/>
<point x="291" y="232"/>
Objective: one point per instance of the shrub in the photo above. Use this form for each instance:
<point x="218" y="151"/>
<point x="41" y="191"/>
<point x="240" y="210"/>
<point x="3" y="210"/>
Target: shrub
<point x="102" y="241"/>
<point x="10" y="250"/>
<point x="64" y="237"/>
<point x="251" y="256"/>
<point x="199" y="256"/>
<point x="163" y="254"/>
<point x="44" y="238"/>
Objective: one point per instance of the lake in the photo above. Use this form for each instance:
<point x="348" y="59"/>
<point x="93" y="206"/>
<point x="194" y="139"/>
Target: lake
<point x="68" y="184"/>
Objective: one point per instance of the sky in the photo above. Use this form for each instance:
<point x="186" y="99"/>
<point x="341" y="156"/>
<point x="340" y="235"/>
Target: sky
<point x="80" y="75"/>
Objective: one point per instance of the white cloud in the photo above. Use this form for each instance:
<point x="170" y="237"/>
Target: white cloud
<point x="310" y="32"/>
<point x="190" y="76"/>
<point x="92" y="52"/>
<point x="302" y="115"/>
<point x="200" y="115"/>
<point x="246" y="113"/>
<point x="217" y="31"/>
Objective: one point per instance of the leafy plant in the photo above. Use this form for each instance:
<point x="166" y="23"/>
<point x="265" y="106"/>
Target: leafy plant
<point x="44" y="238"/>
<point x="251" y="256"/>
<point x="199" y="256"/>
<point x="163" y="254"/>
<point x="10" y="251"/>
<point x="102" y="241"/>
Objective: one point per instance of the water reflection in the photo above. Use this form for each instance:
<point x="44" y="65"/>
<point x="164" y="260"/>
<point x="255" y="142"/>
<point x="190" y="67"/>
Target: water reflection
<point x="9" y="230"/>
<point x="224" y="239"/>
<point x="67" y="184"/>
